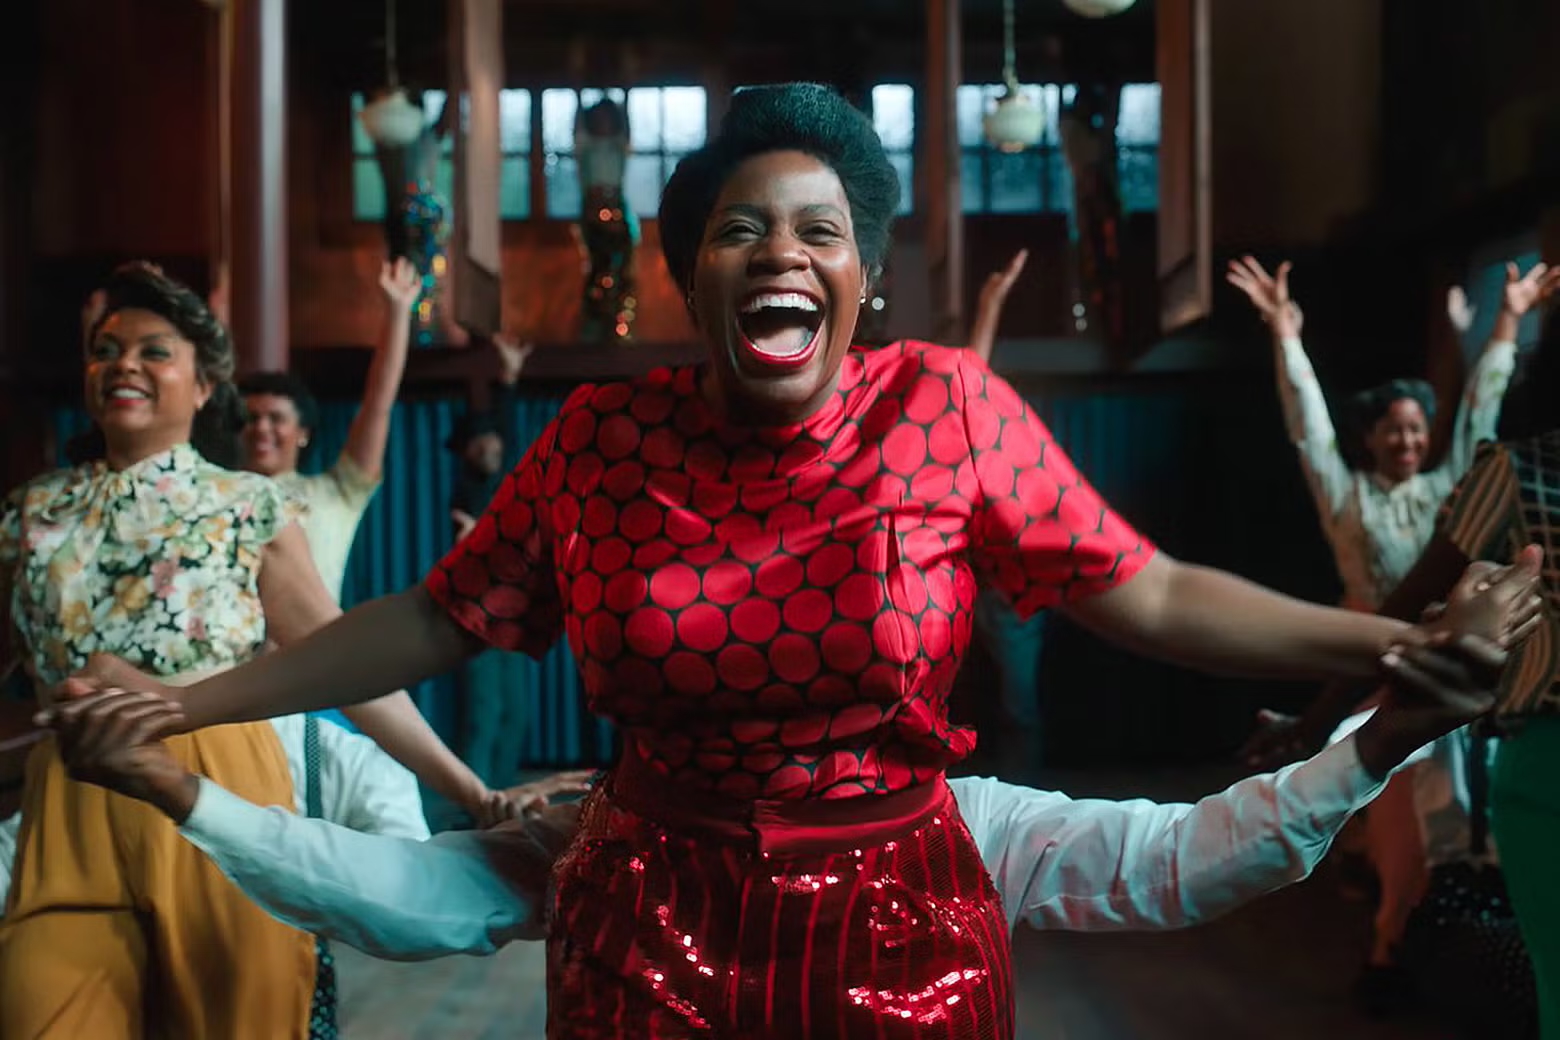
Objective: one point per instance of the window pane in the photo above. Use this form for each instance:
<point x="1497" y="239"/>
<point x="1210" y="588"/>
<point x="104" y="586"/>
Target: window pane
<point x="972" y="183"/>
<point x="893" y="115"/>
<point x="1138" y="122"/>
<point x="590" y="95"/>
<point x="970" y="103"/>
<point x="1050" y="99"/>
<point x="514" y="189"/>
<point x="433" y="107"/>
<point x="563" y="187"/>
<point x="687" y="113"/>
<point x="642" y="184"/>
<point x="558" y="106"/>
<point x="904" y="165"/>
<point x="514" y="122"/>
<point x="368" y="190"/>
<point x="1139" y="179"/>
<point x="644" y="119"/>
<point x="1015" y="181"/>
<point x="362" y="144"/>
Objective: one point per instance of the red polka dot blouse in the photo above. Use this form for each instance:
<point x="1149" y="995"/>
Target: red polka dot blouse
<point x="779" y="613"/>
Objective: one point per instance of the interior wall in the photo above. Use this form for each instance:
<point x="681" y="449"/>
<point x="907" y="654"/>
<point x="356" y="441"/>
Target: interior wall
<point x="1296" y="116"/>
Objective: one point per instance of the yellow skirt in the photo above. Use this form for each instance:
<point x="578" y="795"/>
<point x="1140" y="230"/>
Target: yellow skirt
<point x="117" y="928"/>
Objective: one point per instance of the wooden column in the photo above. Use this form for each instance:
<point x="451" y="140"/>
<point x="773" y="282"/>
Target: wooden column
<point x="256" y="47"/>
<point x="941" y="198"/>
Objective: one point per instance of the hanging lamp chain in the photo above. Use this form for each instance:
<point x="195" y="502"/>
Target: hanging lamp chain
<point x="1009" y="58"/>
<point x="392" y="78"/>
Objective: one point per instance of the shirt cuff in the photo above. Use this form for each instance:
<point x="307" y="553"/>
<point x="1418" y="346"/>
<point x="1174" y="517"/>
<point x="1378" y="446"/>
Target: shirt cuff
<point x="223" y="819"/>
<point x="1333" y="777"/>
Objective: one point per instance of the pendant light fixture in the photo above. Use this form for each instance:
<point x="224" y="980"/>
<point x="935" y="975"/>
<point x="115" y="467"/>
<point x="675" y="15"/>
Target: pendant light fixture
<point x="390" y="119"/>
<point x="1015" y="123"/>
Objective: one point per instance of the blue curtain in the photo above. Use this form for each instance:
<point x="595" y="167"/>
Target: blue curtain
<point x="1200" y="468"/>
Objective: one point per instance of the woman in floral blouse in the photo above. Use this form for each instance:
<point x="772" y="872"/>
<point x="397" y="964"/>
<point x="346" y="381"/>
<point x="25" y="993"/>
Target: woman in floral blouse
<point x="151" y="552"/>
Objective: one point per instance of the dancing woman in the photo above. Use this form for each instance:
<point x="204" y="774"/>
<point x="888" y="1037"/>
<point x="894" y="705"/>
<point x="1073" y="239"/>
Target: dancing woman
<point x="766" y="566"/>
<point x="1378" y="520"/>
<point x="152" y="553"/>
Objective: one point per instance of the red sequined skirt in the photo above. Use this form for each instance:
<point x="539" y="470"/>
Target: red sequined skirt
<point x="684" y="915"/>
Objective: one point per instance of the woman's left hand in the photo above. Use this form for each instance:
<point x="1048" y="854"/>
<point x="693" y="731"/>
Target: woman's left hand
<point x="1525" y="291"/>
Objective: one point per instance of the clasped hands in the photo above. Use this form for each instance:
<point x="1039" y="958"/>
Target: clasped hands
<point x="110" y="720"/>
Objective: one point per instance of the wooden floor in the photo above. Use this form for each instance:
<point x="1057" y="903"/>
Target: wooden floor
<point x="1277" y="970"/>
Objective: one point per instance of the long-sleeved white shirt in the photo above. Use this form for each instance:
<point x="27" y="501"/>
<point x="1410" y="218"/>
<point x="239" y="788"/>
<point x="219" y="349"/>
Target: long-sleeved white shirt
<point x="1377" y="532"/>
<point x="1058" y="862"/>
<point x="361" y="788"/>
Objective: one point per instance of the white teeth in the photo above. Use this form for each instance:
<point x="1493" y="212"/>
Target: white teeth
<point x="125" y="393"/>
<point x="792" y="301"/>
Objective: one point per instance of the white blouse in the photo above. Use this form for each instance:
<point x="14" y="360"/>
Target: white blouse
<point x="1377" y="532"/>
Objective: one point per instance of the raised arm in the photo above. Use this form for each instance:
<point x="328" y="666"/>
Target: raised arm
<point x="988" y="310"/>
<point x="371" y="426"/>
<point x="1306" y="418"/>
<point x="1478" y="411"/>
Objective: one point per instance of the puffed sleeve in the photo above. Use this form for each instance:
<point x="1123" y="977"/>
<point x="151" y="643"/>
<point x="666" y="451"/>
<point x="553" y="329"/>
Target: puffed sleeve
<point x="1041" y="534"/>
<point x="499" y="582"/>
<point x="263" y="513"/>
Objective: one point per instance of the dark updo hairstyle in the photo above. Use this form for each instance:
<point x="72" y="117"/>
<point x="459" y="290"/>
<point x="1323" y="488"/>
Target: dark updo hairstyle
<point x="285" y="384"/>
<point x="1368" y="407"/>
<point x="1532" y="407"/>
<point x="801" y="117"/>
<point x="144" y="287"/>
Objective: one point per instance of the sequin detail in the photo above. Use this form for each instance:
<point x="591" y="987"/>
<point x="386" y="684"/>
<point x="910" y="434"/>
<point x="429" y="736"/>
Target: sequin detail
<point x="707" y="939"/>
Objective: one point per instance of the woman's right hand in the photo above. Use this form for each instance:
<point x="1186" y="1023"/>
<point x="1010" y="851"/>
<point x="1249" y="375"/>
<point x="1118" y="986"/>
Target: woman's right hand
<point x="1269" y="294"/>
<point x="401" y="284"/>
<point x="1501" y="605"/>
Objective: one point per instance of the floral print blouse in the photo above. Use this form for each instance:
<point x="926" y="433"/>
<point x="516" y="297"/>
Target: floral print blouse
<point x="158" y="563"/>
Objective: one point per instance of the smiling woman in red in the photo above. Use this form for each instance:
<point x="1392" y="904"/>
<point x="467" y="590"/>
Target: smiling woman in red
<point x="766" y="566"/>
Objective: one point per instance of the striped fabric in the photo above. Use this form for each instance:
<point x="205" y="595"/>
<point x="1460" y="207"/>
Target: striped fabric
<point x="1508" y="500"/>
